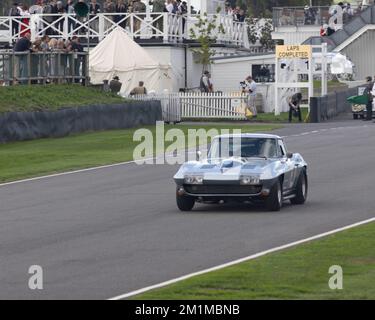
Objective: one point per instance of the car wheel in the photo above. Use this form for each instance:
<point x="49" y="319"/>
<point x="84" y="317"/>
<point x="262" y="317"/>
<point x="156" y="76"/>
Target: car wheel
<point x="184" y="202"/>
<point x="355" y="116"/>
<point x="274" y="201"/>
<point x="301" y="189"/>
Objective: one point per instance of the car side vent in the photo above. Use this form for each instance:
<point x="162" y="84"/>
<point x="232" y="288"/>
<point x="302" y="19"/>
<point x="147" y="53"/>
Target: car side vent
<point x="249" y="166"/>
<point x="208" y="166"/>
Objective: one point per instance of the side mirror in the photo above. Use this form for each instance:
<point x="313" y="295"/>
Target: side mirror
<point x="289" y="155"/>
<point x="199" y="155"/>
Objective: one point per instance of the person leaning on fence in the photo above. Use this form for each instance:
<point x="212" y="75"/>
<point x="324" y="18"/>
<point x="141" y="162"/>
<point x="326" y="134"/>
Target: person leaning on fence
<point x="138" y="7"/>
<point x="23" y="47"/>
<point x="25" y="21"/>
<point x="295" y="107"/>
<point x="109" y="7"/>
<point x="115" y="85"/>
<point x="121" y="8"/>
<point x="69" y="9"/>
<point x="158" y="6"/>
<point x="182" y="11"/>
<point x="141" y="89"/>
<point x="62" y="66"/>
<point x="251" y="90"/>
<point x="370" y="98"/>
<point x="75" y="46"/>
<point x="47" y="11"/>
<point x="23" y="44"/>
<point x="15" y="12"/>
<point x="36" y="61"/>
<point x="94" y="10"/>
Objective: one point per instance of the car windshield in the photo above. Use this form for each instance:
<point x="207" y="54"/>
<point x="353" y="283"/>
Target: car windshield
<point x="243" y="147"/>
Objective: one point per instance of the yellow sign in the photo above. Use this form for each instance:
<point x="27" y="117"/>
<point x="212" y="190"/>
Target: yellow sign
<point x="291" y="52"/>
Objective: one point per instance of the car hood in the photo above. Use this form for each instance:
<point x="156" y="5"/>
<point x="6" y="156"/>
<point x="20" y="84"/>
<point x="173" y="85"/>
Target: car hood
<point x="230" y="168"/>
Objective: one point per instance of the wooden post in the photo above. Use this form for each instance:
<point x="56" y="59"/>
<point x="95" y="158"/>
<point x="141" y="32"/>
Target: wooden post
<point x="29" y="68"/>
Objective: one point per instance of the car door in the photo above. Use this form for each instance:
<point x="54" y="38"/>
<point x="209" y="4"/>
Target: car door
<point x="289" y="167"/>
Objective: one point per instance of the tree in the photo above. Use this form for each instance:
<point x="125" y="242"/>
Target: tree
<point x="206" y="31"/>
<point x="265" y="38"/>
<point x="252" y="30"/>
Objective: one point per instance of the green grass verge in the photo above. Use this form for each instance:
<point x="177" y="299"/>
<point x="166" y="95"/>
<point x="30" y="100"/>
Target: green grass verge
<point x="26" y="159"/>
<point x="282" y="118"/>
<point x="52" y="97"/>
<point x="297" y="273"/>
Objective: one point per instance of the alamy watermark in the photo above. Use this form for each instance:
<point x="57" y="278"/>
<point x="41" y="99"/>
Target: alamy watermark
<point x="336" y="282"/>
<point x="171" y="146"/>
<point x="36" y="279"/>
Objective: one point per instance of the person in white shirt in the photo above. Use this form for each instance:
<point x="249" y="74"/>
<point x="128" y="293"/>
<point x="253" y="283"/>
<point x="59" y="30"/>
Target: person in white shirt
<point x="349" y="10"/>
<point x="169" y="6"/>
<point x="251" y="90"/>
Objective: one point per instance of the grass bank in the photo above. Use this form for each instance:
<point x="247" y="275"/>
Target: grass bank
<point x="52" y="97"/>
<point x="282" y="118"/>
<point x="27" y="159"/>
<point x="297" y="273"/>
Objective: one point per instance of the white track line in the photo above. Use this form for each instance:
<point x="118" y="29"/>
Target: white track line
<point x="228" y="264"/>
<point x="71" y="172"/>
<point x="132" y="162"/>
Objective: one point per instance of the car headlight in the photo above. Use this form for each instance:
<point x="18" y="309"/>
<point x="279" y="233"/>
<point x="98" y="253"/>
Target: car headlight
<point x="249" y="180"/>
<point x="193" y="179"/>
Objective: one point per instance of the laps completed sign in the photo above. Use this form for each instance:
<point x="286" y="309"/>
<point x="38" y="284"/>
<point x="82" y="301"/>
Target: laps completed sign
<point x="291" y="52"/>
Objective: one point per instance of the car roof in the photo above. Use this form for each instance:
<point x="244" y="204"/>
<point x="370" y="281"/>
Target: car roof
<point x="250" y="135"/>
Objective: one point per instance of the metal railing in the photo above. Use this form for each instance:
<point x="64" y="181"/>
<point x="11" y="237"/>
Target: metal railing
<point x="43" y="67"/>
<point x="314" y="16"/>
<point x="171" y="28"/>
<point x="359" y="21"/>
<point x="297" y="16"/>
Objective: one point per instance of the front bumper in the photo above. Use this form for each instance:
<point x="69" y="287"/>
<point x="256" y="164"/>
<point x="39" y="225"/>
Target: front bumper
<point x="217" y="189"/>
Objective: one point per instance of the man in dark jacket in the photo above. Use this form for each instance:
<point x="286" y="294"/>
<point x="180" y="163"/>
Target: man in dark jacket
<point x="115" y="85"/>
<point x="368" y="92"/>
<point x="294" y="107"/>
<point x="14" y="12"/>
<point x="23" y="47"/>
<point x="75" y="46"/>
<point x="23" y="44"/>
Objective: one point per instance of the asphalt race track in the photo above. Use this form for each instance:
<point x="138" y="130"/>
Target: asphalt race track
<point x="102" y="233"/>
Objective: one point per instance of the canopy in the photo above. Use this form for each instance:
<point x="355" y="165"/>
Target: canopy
<point x="118" y="55"/>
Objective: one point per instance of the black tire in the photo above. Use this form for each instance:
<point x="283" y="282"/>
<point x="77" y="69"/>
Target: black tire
<point x="355" y="116"/>
<point x="301" y="189"/>
<point x="185" y="203"/>
<point x="274" y="201"/>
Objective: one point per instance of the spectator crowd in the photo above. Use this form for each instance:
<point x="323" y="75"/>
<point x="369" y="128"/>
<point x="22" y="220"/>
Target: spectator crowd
<point x="46" y="60"/>
<point x="24" y="14"/>
<point x="237" y="13"/>
<point x="58" y="50"/>
<point x="347" y="14"/>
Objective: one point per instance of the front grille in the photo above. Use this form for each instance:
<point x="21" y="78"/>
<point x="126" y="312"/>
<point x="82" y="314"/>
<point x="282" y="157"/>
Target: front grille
<point x="222" y="189"/>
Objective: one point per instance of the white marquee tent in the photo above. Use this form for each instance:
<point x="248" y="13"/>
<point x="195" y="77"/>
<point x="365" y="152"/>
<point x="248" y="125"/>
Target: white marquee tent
<point x="118" y="55"/>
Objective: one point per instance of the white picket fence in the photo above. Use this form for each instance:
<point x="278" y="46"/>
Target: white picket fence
<point x="196" y="105"/>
